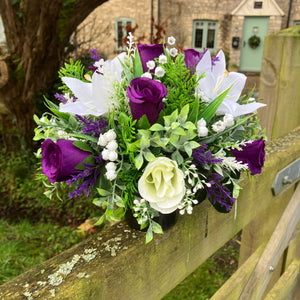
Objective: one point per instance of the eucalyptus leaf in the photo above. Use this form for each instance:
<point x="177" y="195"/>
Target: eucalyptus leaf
<point x="149" y="235"/>
<point x="82" y="146"/>
<point x="138" y="161"/>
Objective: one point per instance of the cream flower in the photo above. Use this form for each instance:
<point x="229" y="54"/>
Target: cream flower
<point x="162" y="185"/>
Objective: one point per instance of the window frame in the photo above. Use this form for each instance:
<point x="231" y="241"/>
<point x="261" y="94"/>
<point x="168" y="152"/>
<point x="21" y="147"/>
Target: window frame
<point x="296" y="22"/>
<point x="124" y="21"/>
<point x="205" y="33"/>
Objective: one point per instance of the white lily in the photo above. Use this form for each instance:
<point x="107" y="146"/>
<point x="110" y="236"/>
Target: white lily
<point x="217" y="80"/>
<point x="93" y="98"/>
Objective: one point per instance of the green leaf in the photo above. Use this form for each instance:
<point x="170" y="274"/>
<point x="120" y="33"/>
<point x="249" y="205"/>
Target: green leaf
<point x="101" y="220"/>
<point x="143" y="123"/>
<point x="103" y="192"/>
<point x="149" y="235"/>
<point x="137" y="65"/>
<point x="194" y="112"/>
<point x="184" y="114"/>
<point x="138" y="161"/>
<point x="83" y="137"/>
<point x="177" y="157"/>
<point x="156" y="228"/>
<point x="157" y="127"/>
<point x="179" y="131"/>
<point x="127" y="73"/>
<point x="149" y="156"/>
<point x="82" y="146"/>
<point x="209" y="111"/>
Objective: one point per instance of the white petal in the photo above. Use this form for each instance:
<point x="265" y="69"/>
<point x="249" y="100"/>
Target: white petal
<point x="76" y="108"/>
<point x="164" y="210"/>
<point x="220" y="66"/>
<point x="81" y="90"/>
<point x="204" y="65"/>
<point x="238" y="81"/>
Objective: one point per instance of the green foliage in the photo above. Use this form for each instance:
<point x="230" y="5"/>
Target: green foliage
<point x="64" y="16"/>
<point x="180" y="83"/>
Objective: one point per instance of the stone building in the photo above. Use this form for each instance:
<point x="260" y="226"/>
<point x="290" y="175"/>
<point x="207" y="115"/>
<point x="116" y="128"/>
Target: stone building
<point x="236" y="26"/>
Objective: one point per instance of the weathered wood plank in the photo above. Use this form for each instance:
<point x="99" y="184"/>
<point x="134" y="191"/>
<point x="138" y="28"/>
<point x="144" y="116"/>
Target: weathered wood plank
<point x="287" y="282"/>
<point x="121" y="266"/>
<point x="279" y="241"/>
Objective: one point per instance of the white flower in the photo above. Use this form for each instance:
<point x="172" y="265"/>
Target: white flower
<point x="105" y="153"/>
<point x="110" y="135"/>
<point x="162" y="59"/>
<point x="147" y="75"/>
<point x="217" y="80"/>
<point x="219" y="126"/>
<point x="162" y="185"/>
<point x="93" y="98"/>
<point x="202" y="131"/>
<point x="160" y="72"/>
<point x="111" y="175"/>
<point x="201" y="123"/>
<point x="173" y="52"/>
<point x="150" y="64"/>
<point x="111" y="166"/>
<point x="112" y="145"/>
<point x="102" y="141"/>
<point x="171" y="40"/>
<point x="228" y="120"/>
<point x="112" y="155"/>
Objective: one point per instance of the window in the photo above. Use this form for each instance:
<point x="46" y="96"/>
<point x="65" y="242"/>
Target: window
<point x="258" y="4"/>
<point x="296" y="23"/>
<point x="122" y="27"/>
<point x="205" y="34"/>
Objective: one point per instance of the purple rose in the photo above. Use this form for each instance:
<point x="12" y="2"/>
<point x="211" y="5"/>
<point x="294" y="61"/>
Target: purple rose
<point x="149" y="52"/>
<point x="191" y="59"/>
<point x="60" y="159"/>
<point x="145" y="97"/>
<point x="252" y="154"/>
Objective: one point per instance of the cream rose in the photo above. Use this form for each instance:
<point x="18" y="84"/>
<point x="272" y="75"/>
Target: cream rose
<point x="162" y="185"/>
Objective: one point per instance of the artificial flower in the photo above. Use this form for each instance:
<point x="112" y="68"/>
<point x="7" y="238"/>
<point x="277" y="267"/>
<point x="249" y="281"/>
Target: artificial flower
<point x="60" y="159"/>
<point x="93" y="98"/>
<point x="145" y="97"/>
<point x="148" y="53"/>
<point x="217" y="80"/>
<point x="162" y="185"/>
<point x="191" y="59"/>
<point x="252" y="154"/>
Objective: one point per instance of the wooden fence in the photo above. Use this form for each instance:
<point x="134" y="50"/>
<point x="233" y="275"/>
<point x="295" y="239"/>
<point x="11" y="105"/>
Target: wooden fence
<point x="116" y="263"/>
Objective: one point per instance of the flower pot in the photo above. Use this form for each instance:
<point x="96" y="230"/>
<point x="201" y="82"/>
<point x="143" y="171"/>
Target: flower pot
<point x="166" y="221"/>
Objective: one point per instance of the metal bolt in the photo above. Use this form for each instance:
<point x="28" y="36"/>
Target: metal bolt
<point x="286" y="180"/>
<point x="271" y="269"/>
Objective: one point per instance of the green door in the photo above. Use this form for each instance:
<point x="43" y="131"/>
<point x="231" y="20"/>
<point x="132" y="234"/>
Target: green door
<point x="255" y="29"/>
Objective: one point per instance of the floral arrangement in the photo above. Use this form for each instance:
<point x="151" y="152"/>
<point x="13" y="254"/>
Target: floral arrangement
<point x="152" y="132"/>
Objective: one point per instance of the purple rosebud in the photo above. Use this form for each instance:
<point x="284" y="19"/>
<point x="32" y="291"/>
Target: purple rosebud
<point x="252" y="154"/>
<point x="149" y="52"/>
<point x="191" y="59"/>
<point x="145" y="97"/>
<point x="60" y="159"/>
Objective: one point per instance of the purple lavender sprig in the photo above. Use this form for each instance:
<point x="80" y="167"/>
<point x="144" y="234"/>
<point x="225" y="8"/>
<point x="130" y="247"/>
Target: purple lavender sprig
<point x="93" y="127"/>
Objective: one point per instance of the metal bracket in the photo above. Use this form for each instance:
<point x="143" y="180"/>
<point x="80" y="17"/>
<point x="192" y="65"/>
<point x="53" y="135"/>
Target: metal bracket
<point x="286" y="177"/>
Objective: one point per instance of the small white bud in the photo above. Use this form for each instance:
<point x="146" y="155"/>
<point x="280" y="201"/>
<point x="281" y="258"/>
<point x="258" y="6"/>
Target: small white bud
<point x="173" y="52"/>
<point x="147" y="75"/>
<point x="162" y="59"/>
<point x="102" y="141"/>
<point x="150" y="64"/>
<point x="110" y="135"/>
<point x="105" y="154"/>
<point x="112" y="145"/>
<point x="195" y="202"/>
<point x="160" y="72"/>
<point x="110" y="166"/>
<point x="219" y="126"/>
<point x="228" y="120"/>
<point x="112" y="155"/>
<point x="171" y="40"/>
<point x="111" y="175"/>
<point x="181" y="212"/>
<point x="136" y="202"/>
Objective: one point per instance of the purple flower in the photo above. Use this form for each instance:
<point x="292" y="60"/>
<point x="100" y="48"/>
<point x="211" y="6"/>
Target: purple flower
<point x="205" y="158"/>
<point x="252" y="154"/>
<point x="149" y="52"/>
<point x="218" y="194"/>
<point x="191" y="59"/>
<point x="60" y="159"/>
<point x="145" y="97"/>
